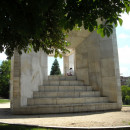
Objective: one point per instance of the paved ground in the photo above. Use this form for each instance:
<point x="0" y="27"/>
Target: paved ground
<point x="92" y="119"/>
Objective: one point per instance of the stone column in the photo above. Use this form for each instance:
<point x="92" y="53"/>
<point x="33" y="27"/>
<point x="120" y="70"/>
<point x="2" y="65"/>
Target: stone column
<point x="15" y="89"/>
<point x="72" y="61"/>
<point x="110" y="69"/>
<point x="97" y="65"/>
<point x="66" y="64"/>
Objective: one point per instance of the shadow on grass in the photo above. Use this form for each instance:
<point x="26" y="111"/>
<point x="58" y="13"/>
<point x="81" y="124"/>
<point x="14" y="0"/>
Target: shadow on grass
<point x="20" y="127"/>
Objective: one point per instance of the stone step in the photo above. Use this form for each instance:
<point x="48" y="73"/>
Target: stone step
<point x="59" y="77"/>
<point x="64" y="88"/>
<point x="66" y="94"/>
<point x="62" y="83"/>
<point x="62" y="101"/>
<point x="45" y="109"/>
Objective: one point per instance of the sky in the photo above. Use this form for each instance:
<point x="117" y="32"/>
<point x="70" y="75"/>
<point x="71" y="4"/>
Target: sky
<point x="123" y="42"/>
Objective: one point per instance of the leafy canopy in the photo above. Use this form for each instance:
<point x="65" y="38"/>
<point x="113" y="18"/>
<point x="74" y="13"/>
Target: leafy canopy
<point x="43" y="24"/>
<point x="55" y="69"/>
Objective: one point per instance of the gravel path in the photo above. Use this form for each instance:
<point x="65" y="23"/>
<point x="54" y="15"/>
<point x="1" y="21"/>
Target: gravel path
<point x="91" y="119"/>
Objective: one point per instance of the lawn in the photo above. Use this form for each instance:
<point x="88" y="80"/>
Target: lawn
<point x="20" y="127"/>
<point x="126" y="105"/>
<point x="4" y="100"/>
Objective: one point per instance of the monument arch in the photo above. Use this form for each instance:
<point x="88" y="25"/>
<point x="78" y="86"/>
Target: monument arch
<point x="94" y="86"/>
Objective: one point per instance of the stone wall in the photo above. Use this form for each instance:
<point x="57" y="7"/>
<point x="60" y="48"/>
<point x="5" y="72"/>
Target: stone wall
<point x="27" y="73"/>
<point x="33" y="71"/>
<point x="97" y="64"/>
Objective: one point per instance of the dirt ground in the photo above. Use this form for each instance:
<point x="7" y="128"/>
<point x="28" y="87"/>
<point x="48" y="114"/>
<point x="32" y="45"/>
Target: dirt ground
<point x="91" y="119"/>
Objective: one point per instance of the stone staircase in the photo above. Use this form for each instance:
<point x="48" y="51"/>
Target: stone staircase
<point x="61" y="94"/>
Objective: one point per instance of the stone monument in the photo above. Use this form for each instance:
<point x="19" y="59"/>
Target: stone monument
<point x="95" y="85"/>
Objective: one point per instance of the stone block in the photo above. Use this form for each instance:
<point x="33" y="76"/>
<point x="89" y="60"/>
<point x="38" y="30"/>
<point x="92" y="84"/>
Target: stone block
<point x="87" y="94"/>
<point x="106" y="49"/>
<point x="48" y="110"/>
<point x="70" y="77"/>
<point x="74" y="83"/>
<point x="82" y="74"/>
<point x="94" y="66"/>
<point x="108" y="67"/>
<point x="80" y="83"/>
<point x="16" y="73"/>
<point x="41" y="88"/>
<point x="99" y="106"/>
<point x="51" y="88"/>
<point x="54" y="83"/>
<point x="30" y="102"/>
<point x="62" y="77"/>
<point x="94" y="54"/>
<point x="109" y="88"/>
<point x="95" y="80"/>
<point x="66" y="109"/>
<point x="91" y="107"/>
<point x="97" y="93"/>
<point x="46" y="82"/>
<point x="66" y="88"/>
<point x="89" y="88"/>
<point x="36" y="94"/>
<point x="64" y="83"/>
<point x="68" y="94"/>
<point x="16" y="95"/>
<point x="48" y="94"/>
<point x="44" y="101"/>
<point x="53" y="77"/>
<point x="79" y="88"/>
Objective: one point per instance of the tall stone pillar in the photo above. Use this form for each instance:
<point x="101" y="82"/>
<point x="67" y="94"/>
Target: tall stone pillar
<point x="66" y="64"/>
<point x="15" y="93"/>
<point x="110" y="69"/>
<point x="97" y="65"/>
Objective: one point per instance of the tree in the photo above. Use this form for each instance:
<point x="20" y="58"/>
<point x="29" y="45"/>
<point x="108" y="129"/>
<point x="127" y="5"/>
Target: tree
<point x="5" y="78"/>
<point x="125" y="94"/>
<point x="26" y="24"/>
<point x="55" y="69"/>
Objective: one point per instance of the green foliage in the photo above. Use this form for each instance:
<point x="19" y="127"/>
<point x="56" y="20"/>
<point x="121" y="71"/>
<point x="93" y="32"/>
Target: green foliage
<point x="55" y="69"/>
<point x="44" y="24"/>
<point x="125" y="94"/>
<point x="5" y="78"/>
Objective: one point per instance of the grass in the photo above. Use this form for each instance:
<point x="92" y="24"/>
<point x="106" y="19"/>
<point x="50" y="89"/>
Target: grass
<point x="20" y="127"/>
<point x="126" y="105"/>
<point x="123" y="121"/>
<point x="4" y="100"/>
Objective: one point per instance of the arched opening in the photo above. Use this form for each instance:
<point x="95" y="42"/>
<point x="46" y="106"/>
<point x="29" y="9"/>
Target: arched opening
<point x="65" y="63"/>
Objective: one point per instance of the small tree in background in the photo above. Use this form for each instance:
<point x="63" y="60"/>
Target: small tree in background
<point x="55" y="69"/>
<point x="5" y="78"/>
